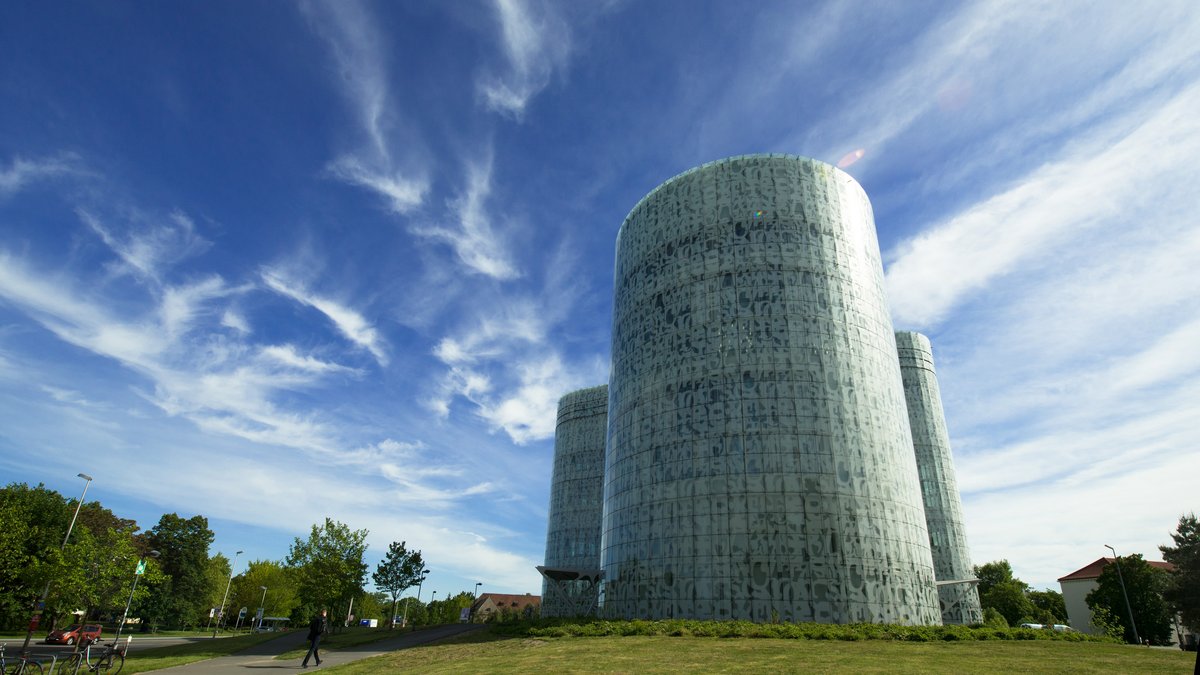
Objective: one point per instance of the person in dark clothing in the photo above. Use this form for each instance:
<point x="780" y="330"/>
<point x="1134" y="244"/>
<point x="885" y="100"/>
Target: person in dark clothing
<point x="316" y="628"/>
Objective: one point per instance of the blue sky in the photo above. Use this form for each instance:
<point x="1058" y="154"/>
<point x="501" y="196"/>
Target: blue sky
<point x="272" y="262"/>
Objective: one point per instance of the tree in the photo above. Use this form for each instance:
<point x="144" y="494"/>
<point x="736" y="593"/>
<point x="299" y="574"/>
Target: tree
<point x="97" y="572"/>
<point x="1008" y="598"/>
<point x="400" y="570"/>
<point x="1183" y="587"/>
<point x="992" y="573"/>
<point x="280" y="597"/>
<point x="183" y="554"/>
<point x="1000" y="590"/>
<point x="1144" y="585"/>
<point x="34" y="521"/>
<point x="329" y="567"/>
<point x="1050" y="604"/>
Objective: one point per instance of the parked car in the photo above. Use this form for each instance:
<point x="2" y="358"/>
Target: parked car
<point x="84" y="634"/>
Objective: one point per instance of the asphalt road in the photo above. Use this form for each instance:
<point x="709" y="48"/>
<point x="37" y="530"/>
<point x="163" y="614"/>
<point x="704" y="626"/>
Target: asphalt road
<point x="140" y="642"/>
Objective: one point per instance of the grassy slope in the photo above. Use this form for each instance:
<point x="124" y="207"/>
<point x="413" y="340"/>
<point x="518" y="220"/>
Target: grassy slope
<point x="493" y="654"/>
<point x="166" y="657"/>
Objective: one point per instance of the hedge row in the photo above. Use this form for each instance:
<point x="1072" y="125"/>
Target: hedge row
<point x="792" y="631"/>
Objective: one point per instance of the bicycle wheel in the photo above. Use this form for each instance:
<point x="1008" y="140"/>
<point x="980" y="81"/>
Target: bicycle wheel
<point x="71" y="663"/>
<point x="111" y="663"/>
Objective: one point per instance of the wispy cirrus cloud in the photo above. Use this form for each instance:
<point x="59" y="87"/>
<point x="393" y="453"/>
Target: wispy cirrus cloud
<point x="146" y="245"/>
<point x="21" y="172"/>
<point x="402" y="193"/>
<point x="472" y="235"/>
<point x="1094" y="186"/>
<point x="503" y="362"/>
<point x="350" y="323"/>
<point x="354" y="42"/>
<point x="536" y="42"/>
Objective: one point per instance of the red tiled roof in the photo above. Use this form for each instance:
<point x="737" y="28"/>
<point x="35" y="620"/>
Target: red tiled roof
<point x="509" y="600"/>
<point x="1093" y="569"/>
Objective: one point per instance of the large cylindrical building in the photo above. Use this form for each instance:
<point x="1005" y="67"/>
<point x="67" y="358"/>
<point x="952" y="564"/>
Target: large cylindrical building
<point x="576" y="503"/>
<point x="759" y="461"/>
<point x="935" y="465"/>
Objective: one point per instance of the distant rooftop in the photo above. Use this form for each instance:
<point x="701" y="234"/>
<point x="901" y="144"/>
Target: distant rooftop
<point x="1092" y="570"/>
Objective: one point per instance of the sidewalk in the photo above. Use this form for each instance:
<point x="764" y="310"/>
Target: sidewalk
<point x="262" y="655"/>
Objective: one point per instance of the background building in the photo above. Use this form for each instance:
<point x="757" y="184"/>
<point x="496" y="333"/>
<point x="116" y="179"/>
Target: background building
<point x="1076" y="586"/>
<point x="959" y="597"/>
<point x="572" y="563"/>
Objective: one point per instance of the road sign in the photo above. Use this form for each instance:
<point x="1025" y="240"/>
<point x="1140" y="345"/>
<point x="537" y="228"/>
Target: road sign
<point x="242" y="613"/>
<point x="141" y="568"/>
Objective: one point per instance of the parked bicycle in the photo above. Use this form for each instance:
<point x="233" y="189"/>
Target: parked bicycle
<point x="109" y="658"/>
<point x="19" y="666"/>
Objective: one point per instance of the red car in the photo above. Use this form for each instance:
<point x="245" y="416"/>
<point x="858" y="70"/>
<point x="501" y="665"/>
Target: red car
<point x="82" y="633"/>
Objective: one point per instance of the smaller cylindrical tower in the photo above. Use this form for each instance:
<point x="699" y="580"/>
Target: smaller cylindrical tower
<point x="939" y="489"/>
<point x="576" y="498"/>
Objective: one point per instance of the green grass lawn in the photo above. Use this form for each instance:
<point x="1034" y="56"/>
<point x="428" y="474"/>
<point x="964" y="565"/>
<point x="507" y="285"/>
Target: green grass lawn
<point x="165" y="657"/>
<point x="491" y="653"/>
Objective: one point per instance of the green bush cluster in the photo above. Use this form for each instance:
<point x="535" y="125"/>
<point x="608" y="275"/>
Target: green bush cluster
<point x="553" y="628"/>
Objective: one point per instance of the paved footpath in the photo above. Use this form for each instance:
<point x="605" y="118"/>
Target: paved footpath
<point x="263" y="654"/>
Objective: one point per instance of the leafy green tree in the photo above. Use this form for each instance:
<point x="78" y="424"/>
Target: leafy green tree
<point x="96" y="575"/>
<point x="1183" y="589"/>
<point x="216" y="577"/>
<point x="1008" y="598"/>
<point x="280" y="597"/>
<point x="329" y="568"/>
<point x="1145" y="586"/>
<point x="1000" y="590"/>
<point x="992" y="573"/>
<point x="992" y="618"/>
<point x="1050" y="605"/>
<point x="34" y="521"/>
<point x="1109" y="625"/>
<point x="400" y="570"/>
<point x="183" y="545"/>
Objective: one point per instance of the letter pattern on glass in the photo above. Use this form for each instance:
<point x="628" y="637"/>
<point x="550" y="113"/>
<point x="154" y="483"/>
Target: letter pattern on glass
<point x="759" y="462"/>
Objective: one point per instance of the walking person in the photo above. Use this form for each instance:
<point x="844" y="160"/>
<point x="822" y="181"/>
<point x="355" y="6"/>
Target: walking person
<point x="316" y="628"/>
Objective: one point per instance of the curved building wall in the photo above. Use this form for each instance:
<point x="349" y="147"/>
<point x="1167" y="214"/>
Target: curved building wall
<point x="576" y="493"/>
<point x="759" y="461"/>
<point x="939" y="489"/>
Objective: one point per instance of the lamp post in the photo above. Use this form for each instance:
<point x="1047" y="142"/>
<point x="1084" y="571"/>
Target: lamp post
<point x="137" y="574"/>
<point x="421" y="582"/>
<point x="262" y="606"/>
<point x="41" y="604"/>
<point x="221" y="615"/>
<point x="474" y="599"/>
<point x="1128" y="607"/>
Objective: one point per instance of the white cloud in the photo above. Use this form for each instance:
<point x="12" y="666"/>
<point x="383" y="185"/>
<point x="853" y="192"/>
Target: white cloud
<point x="403" y="194"/>
<point x="474" y="239"/>
<point x="357" y="49"/>
<point x="537" y="43"/>
<point x="235" y="320"/>
<point x="1095" y="186"/>
<point x="21" y="172"/>
<point x="145" y="248"/>
<point x="286" y="355"/>
<point x="349" y="322"/>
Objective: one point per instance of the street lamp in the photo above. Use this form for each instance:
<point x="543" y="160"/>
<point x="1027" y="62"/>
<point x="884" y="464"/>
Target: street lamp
<point x="262" y="606"/>
<point x="1128" y="607"/>
<point x="421" y="582"/>
<point x="474" y="598"/>
<point x="137" y="574"/>
<point x="221" y="615"/>
<point x="46" y="591"/>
